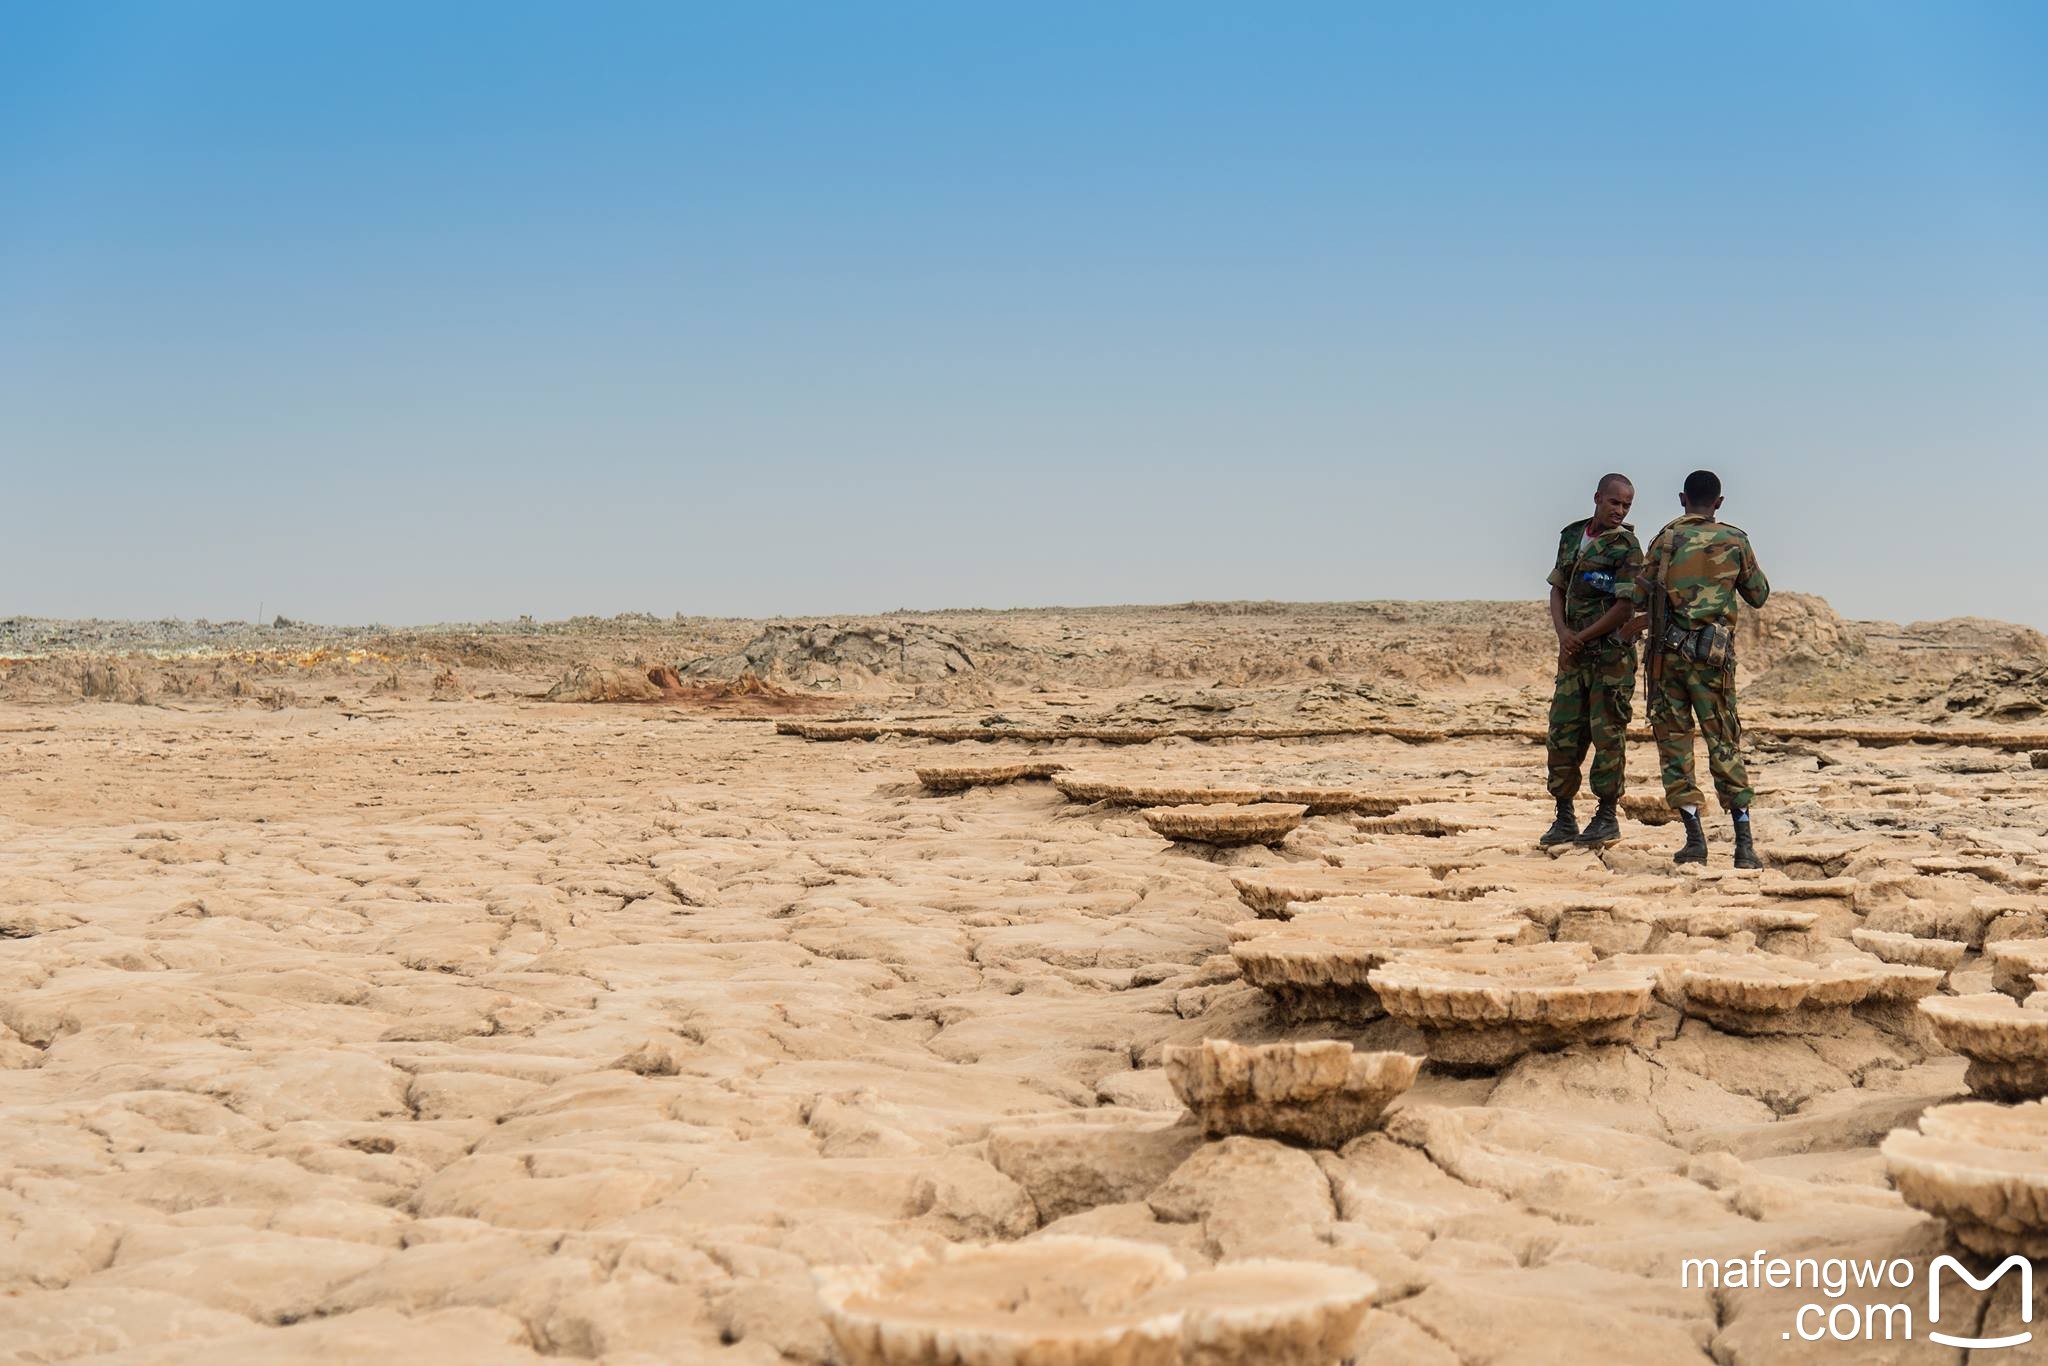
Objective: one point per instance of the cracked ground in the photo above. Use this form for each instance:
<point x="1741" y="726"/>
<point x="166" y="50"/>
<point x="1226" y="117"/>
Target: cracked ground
<point x="491" y="1030"/>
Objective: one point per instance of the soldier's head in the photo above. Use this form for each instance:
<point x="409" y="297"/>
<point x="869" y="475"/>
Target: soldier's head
<point x="1612" y="498"/>
<point x="1702" y="494"/>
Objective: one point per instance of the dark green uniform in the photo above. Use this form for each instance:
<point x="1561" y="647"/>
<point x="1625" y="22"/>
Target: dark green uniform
<point x="1710" y="564"/>
<point x="1595" y="693"/>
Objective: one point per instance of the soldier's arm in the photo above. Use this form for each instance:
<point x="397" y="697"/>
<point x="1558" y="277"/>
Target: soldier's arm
<point x="1559" y="577"/>
<point x="1565" y="642"/>
<point x="1628" y="576"/>
<point x="1631" y="590"/>
<point x="1609" y="620"/>
<point x="1751" y="583"/>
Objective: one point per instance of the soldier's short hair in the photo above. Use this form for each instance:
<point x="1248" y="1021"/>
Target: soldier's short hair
<point x="1702" y="486"/>
<point x="1608" y="481"/>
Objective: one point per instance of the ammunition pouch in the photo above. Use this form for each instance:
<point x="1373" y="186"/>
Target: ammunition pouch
<point x="1711" y="645"/>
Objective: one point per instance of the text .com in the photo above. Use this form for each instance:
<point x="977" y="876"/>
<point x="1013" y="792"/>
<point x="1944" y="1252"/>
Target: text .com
<point x="1857" y="1320"/>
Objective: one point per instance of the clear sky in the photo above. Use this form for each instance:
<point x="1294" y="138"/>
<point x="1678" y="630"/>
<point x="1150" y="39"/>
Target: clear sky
<point x="410" y="312"/>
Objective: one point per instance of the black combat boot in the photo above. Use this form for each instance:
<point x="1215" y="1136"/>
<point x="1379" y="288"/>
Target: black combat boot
<point x="1745" y="849"/>
<point x="1695" y="850"/>
<point x="1565" y="828"/>
<point x="1605" y="827"/>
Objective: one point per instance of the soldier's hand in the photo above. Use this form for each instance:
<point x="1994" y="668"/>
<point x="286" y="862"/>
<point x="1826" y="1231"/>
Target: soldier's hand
<point x="1627" y="632"/>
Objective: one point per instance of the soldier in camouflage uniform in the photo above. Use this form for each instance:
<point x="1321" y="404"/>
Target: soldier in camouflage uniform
<point x="1592" y="583"/>
<point x="1698" y="566"/>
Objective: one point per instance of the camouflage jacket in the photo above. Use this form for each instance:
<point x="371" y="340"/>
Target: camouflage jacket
<point x="1711" y="563"/>
<point x="1614" y="559"/>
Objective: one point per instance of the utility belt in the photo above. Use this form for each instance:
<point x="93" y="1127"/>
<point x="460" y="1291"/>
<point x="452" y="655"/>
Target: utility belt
<point x="1711" y="645"/>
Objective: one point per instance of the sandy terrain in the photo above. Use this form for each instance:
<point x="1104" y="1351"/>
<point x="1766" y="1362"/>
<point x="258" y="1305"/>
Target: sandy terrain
<point x="357" y="1001"/>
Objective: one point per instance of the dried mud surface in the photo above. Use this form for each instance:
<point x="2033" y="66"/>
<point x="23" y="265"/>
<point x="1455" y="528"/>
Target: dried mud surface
<point x="434" y="1021"/>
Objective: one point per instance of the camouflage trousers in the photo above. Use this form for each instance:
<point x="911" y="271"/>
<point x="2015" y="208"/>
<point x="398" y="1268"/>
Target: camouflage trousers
<point x="1590" y="709"/>
<point x="1683" y="690"/>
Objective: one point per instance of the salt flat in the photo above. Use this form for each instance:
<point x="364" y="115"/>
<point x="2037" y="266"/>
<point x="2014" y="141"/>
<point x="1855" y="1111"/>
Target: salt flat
<point x="488" y="1028"/>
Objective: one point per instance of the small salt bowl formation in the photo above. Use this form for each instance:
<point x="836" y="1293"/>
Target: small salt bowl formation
<point x="1981" y="1167"/>
<point x="960" y="777"/>
<point x="1480" y="1010"/>
<point x="1320" y="1093"/>
<point x="1273" y="892"/>
<point x="1768" y="993"/>
<point x="1078" y="1301"/>
<point x="2006" y="1043"/>
<point x="1081" y="787"/>
<point x="1317" y="966"/>
<point x="2014" y="963"/>
<point x="1320" y="800"/>
<point x="1203" y="823"/>
<point x="1910" y="950"/>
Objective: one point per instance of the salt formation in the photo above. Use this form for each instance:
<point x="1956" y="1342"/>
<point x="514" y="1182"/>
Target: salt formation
<point x="1768" y="993"/>
<point x="1257" y="823"/>
<point x="2006" y="1043"/>
<point x="1268" y="1313"/>
<point x="959" y="777"/>
<point x="1412" y="823"/>
<point x="1910" y="950"/>
<point x="1984" y="1169"/>
<point x="1070" y="1301"/>
<point x="2014" y="962"/>
<point x="1082" y="1301"/>
<point x="1122" y="792"/>
<point x="1320" y="1093"/>
<point x="1317" y="966"/>
<point x="1319" y="800"/>
<point x="1481" y="1010"/>
<point x="1272" y="892"/>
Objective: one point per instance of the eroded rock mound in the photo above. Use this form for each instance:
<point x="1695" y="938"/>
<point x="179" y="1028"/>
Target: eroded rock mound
<point x="1482" y="1010"/>
<point x="2006" y="1043"/>
<point x="592" y="683"/>
<point x="1321" y="1093"/>
<point x="1199" y="823"/>
<point x="844" y="656"/>
<point x="1984" y="1169"/>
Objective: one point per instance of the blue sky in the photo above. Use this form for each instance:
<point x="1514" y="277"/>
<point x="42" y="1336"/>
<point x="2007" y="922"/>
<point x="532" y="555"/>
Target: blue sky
<point x="410" y="312"/>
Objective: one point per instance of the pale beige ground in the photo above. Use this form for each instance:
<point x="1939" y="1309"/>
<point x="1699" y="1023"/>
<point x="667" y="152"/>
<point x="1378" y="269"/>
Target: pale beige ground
<point x="392" y="1029"/>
